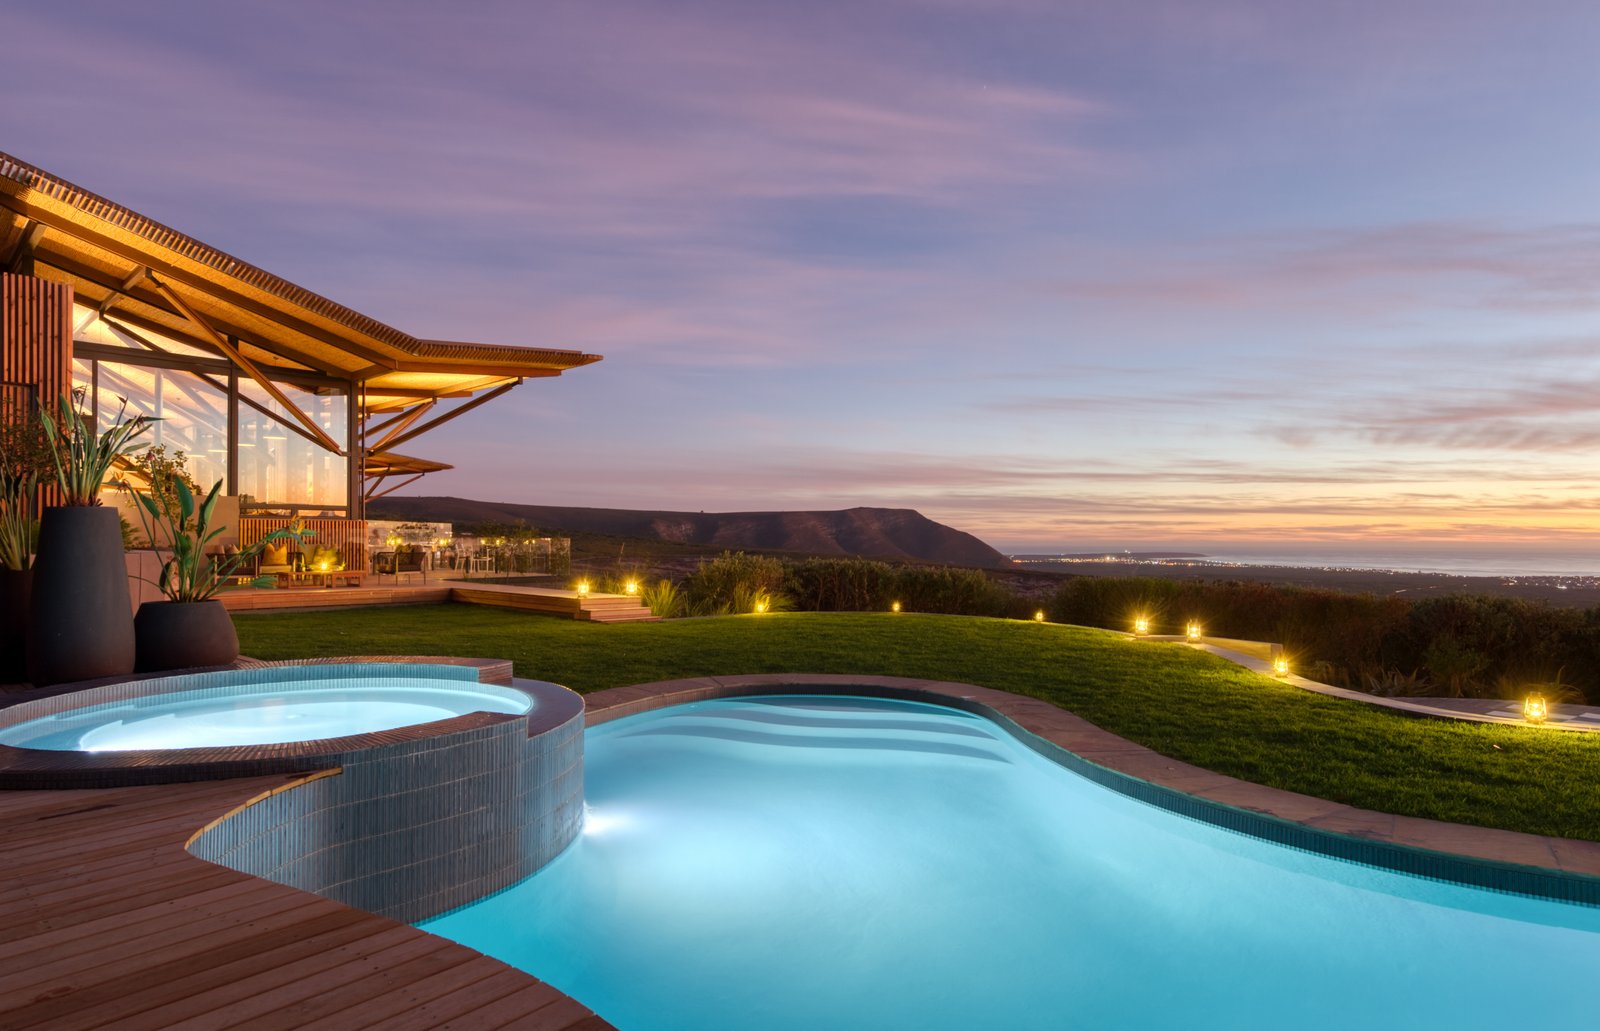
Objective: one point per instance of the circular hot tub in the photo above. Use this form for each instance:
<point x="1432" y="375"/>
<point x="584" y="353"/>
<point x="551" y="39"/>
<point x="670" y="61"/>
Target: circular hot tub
<point x="402" y="787"/>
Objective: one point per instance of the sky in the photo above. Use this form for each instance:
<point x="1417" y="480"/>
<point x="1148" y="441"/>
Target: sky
<point x="1066" y="275"/>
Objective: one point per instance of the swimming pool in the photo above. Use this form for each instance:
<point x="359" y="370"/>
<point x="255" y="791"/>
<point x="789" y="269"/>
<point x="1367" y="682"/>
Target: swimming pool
<point x="803" y="862"/>
<point x="291" y="707"/>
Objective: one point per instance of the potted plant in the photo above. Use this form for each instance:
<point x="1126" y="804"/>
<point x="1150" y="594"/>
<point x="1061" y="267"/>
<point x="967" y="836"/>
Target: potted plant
<point x="191" y="628"/>
<point x="81" y="617"/>
<point x="24" y="455"/>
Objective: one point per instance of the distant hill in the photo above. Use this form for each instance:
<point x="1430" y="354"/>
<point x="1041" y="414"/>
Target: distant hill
<point x="888" y="533"/>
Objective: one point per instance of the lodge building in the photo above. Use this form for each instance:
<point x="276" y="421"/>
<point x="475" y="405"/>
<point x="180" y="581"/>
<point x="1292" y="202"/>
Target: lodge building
<point x="297" y="403"/>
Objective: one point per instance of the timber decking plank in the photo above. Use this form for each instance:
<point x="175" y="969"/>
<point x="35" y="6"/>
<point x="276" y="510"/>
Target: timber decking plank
<point x="228" y="991"/>
<point x="457" y="1004"/>
<point x="60" y="996"/>
<point x="396" y="1004"/>
<point x="109" y="922"/>
<point x="379" y="983"/>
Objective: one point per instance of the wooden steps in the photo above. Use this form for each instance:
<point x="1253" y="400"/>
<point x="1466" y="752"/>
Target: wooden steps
<point x="594" y="608"/>
<point x="280" y="598"/>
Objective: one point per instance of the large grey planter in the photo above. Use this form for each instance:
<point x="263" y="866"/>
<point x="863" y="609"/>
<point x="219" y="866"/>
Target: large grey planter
<point x="81" y="618"/>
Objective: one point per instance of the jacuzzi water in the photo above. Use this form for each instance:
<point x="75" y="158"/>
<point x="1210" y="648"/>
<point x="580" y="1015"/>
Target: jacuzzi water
<point x="804" y="863"/>
<point x="259" y="714"/>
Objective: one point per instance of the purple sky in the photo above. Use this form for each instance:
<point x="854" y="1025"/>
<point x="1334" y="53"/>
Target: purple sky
<point x="1061" y="274"/>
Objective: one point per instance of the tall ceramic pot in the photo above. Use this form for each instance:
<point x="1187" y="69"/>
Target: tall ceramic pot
<point x="16" y="586"/>
<point x="184" y="634"/>
<point x="81" y="624"/>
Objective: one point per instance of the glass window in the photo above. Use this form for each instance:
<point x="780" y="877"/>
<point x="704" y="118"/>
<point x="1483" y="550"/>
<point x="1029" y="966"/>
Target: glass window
<point x="89" y="328"/>
<point x="278" y="463"/>
<point x="192" y="413"/>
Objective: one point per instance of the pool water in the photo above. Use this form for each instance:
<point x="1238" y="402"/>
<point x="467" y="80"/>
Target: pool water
<point x="260" y="714"/>
<point x="811" y="862"/>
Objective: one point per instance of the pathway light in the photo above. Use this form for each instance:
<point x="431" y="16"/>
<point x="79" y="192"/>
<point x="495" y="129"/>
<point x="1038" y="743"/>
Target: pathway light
<point x="1141" y="626"/>
<point x="1193" y="631"/>
<point x="1535" y="709"/>
<point x="894" y="606"/>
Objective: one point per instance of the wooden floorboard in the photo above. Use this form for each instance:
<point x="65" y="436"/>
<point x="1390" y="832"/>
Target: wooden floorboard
<point x="106" y="921"/>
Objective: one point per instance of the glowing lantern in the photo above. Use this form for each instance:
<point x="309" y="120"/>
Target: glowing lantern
<point x="1038" y="617"/>
<point x="323" y="566"/>
<point x="894" y="606"/>
<point x="761" y="606"/>
<point x="583" y="588"/>
<point x="1535" y="709"/>
<point x="1280" y="666"/>
<point x="1193" y="631"/>
<point x="392" y="540"/>
<point x="1141" y="626"/>
<point x="632" y="587"/>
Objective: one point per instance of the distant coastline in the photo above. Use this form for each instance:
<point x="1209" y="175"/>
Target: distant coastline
<point x="1574" y="590"/>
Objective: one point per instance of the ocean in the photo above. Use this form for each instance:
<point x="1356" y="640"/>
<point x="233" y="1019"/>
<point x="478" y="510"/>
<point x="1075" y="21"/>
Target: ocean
<point x="1462" y="560"/>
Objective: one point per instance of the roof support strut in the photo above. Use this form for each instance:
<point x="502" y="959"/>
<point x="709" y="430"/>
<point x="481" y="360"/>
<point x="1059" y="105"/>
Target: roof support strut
<point x="249" y="367"/>
<point x="461" y="409"/>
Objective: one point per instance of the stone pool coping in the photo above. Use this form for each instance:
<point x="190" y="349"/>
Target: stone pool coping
<point x="1529" y="864"/>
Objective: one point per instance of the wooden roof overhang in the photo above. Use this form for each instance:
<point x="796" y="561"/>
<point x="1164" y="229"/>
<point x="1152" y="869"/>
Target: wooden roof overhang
<point x="145" y="276"/>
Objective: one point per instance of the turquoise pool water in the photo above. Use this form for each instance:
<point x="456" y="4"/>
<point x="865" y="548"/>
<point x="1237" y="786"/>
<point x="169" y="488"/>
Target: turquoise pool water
<point x="810" y="862"/>
<point x="260" y="714"/>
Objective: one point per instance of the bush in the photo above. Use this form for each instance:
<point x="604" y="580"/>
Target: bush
<point x="732" y="583"/>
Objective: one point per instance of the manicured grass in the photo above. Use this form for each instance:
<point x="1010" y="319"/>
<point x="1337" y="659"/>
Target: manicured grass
<point x="1180" y="702"/>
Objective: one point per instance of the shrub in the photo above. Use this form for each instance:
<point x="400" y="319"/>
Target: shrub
<point x="730" y="583"/>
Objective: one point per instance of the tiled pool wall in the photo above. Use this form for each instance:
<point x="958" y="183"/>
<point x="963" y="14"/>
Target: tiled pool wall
<point x="405" y="823"/>
<point x="1019" y="715"/>
<point x="411" y="829"/>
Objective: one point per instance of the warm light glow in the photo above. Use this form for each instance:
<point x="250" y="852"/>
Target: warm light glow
<point x="1280" y="666"/>
<point x="632" y="587"/>
<point x="392" y="541"/>
<point x="1193" y="631"/>
<point x="324" y="565"/>
<point x="1141" y="626"/>
<point x="583" y="587"/>
<point x="1535" y="709"/>
<point x="1038" y="617"/>
<point x="894" y="606"/>
<point x="761" y="607"/>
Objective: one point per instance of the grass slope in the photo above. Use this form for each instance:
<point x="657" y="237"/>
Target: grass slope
<point x="1182" y="703"/>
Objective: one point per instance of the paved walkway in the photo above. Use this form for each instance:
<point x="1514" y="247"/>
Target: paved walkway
<point x="1473" y="710"/>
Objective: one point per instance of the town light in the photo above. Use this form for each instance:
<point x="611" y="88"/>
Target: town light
<point x="1535" y="709"/>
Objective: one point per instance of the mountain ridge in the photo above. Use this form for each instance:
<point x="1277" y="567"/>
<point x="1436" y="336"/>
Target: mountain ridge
<point x="901" y="534"/>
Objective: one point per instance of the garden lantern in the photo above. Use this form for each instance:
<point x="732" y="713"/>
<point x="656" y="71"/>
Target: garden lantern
<point x="1141" y="626"/>
<point x="1193" y="632"/>
<point x="1535" y="709"/>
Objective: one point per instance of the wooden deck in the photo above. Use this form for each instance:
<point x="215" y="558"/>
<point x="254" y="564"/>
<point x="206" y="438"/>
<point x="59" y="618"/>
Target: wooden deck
<point x="109" y="922"/>
<point x="595" y="608"/>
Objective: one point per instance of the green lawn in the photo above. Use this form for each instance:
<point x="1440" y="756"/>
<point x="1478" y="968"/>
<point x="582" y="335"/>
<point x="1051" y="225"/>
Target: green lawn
<point x="1183" y="703"/>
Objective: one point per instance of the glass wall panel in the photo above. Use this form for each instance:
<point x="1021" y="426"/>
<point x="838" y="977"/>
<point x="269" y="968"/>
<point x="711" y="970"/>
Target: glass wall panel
<point x="90" y="328"/>
<point x="192" y="413"/>
<point x="280" y="465"/>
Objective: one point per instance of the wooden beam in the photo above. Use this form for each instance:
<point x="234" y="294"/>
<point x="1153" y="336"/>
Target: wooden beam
<point x="373" y="494"/>
<point x="248" y="366"/>
<point x="400" y="421"/>
<point x="28" y="239"/>
<point x="178" y="275"/>
<point x="461" y="409"/>
<point x="154" y="302"/>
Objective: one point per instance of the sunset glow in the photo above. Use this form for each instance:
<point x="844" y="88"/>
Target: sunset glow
<point x="1055" y="274"/>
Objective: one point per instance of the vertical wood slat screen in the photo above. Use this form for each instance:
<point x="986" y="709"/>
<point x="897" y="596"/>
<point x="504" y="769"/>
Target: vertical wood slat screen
<point x="36" y="342"/>
<point x="346" y="536"/>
